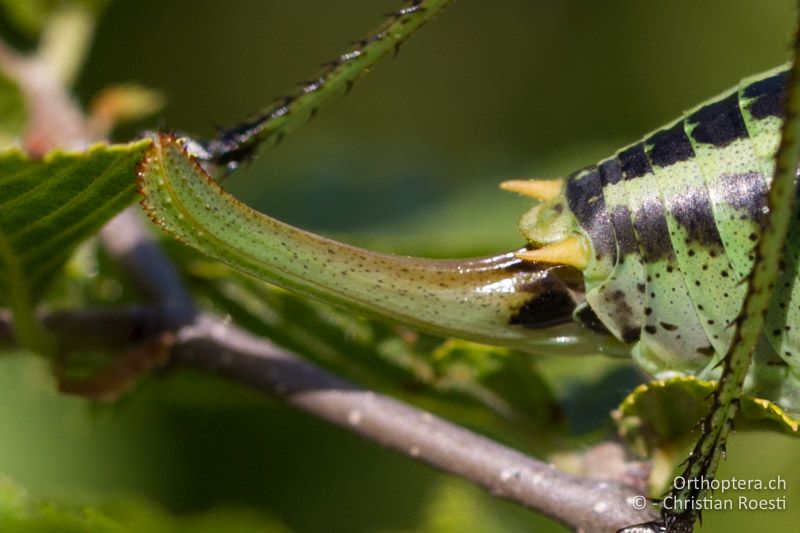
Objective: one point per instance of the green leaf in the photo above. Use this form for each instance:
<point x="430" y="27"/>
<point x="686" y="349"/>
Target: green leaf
<point x="47" y="208"/>
<point x="661" y="414"/>
<point x="13" y="115"/>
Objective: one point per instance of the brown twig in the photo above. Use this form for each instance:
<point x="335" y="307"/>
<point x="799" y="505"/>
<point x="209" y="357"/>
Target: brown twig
<point x="214" y="345"/>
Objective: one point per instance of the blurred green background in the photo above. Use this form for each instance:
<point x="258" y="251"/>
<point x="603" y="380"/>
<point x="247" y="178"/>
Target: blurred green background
<point x="407" y="162"/>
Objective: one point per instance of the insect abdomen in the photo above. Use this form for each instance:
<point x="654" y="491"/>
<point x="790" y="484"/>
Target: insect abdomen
<point x="673" y="221"/>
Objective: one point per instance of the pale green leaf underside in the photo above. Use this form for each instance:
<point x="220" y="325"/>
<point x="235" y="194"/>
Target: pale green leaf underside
<point x="48" y="207"/>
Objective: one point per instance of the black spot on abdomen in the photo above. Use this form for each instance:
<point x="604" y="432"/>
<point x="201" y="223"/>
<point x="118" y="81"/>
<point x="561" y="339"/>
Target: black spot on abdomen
<point x="670" y="146"/>
<point x="633" y="162"/>
<point x="586" y="200"/>
<point x="718" y="124"/>
<point x="768" y="96"/>
<point x="746" y="192"/>
<point x="623" y="229"/>
<point x="651" y="225"/>
<point x="693" y="211"/>
<point x="610" y="172"/>
<point x="588" y="318"/>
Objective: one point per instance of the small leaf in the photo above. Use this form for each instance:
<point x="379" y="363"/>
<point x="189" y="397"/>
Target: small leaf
<point x="122" y="103"/>
<point x="662" y="414"/>
<point x="47" y="208"/>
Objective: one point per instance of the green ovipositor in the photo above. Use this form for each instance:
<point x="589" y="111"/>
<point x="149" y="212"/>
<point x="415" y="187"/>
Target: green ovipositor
<point x="641" y="253"/>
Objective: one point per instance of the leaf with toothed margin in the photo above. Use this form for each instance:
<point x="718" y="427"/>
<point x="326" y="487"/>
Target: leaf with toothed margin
<point x="662" y="414"/>
<point x="47" y="207"/>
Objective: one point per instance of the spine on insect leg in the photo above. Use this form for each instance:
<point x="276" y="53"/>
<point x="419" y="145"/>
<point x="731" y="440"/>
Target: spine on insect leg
<point x="500" y="300"/>
<point x="238" y="144"/>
